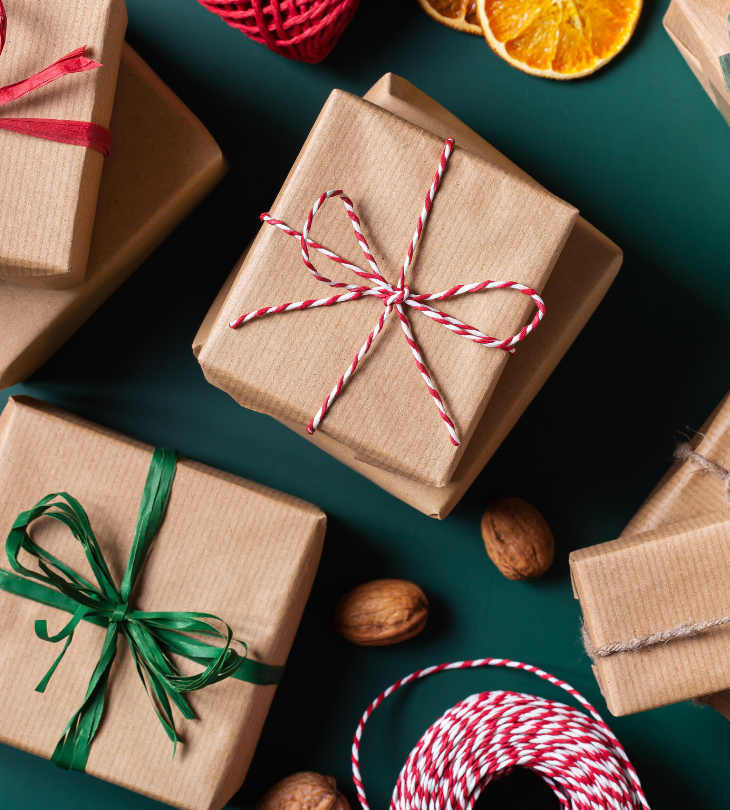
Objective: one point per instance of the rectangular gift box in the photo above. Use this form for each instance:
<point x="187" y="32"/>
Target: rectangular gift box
<point x="687" y="492"/>
<point x="670" y="566"/>
<point x="228" y="547"/>
<point x="587" y="265"/>
<point x="48" y="190"/>
<point x="699" y="29"/>
<point x="164" y="162"/>
<point x="485" y="223"/>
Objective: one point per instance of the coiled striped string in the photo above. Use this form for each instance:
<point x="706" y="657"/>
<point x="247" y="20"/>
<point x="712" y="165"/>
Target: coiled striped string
<point x="487" y="735"/>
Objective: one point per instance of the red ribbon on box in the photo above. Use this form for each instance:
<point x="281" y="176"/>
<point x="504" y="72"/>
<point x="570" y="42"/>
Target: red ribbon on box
<point x="79" y="133"/>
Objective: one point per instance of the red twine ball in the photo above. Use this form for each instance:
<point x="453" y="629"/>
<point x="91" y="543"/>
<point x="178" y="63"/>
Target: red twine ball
<point x="306" y="30"/>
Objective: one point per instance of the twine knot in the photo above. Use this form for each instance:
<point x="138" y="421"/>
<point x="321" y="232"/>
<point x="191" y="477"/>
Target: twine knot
<point x="394" y="297"/>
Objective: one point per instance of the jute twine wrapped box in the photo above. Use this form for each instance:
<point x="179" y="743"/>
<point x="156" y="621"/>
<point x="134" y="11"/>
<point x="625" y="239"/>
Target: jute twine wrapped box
<point x="48" y="190"/>
<point x="670" y="566"/>
<point x="226" y="546"/>
<point x="163" y="163"/>
<point x="587" y="265"/>
<point x="699" y="29"/>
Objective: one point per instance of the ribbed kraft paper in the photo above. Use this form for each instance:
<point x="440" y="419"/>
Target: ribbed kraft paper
<point x="227" y="546"/>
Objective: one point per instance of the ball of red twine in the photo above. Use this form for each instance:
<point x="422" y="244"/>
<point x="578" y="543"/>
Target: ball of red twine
<point x="486" y="736"/>
<point x="306" y="30"/>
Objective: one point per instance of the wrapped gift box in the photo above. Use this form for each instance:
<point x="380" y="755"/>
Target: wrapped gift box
<point x="226" y="546"/>
<point x="48" y="190"/>
<point x="163" y="164"/>
<point x="699" y="29"/>
<point x="686" y="492"/>
<point x="670" y="566"/>
<point x="584" y="270"/>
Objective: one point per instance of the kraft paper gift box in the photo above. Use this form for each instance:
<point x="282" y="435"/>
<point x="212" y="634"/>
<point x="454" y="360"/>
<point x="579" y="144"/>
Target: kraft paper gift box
<point x="484" y="224"/>
<point x="164" y="162"/>
<point x="670" y="566"/>
<point x="226" y="546"/>
<point x="699" y="29"/>
<point x="584" y="270"/>
<point x="48" y="190"/>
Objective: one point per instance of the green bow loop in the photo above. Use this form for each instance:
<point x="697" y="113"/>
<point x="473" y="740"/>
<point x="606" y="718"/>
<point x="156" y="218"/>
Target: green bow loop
<point x="153" y="636"/>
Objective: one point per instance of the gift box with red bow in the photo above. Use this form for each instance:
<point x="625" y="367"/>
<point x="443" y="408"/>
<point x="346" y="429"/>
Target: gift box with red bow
<point x="495" y="223"/>
<point x="155" y="176"/>
<point x="58" y="74"/>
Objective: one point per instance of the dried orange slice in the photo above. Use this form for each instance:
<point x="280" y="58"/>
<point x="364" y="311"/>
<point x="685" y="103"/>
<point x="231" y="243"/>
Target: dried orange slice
<point x="459" y="14"/>
<point x="558" y="39"/>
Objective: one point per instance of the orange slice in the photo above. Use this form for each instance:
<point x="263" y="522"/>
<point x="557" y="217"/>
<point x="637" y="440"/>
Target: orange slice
<point x="459" y="14"/>
<point x="558" y="39"/>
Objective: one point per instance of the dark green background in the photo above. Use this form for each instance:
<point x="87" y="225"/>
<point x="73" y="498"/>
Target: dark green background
<point x="641" y="151"/>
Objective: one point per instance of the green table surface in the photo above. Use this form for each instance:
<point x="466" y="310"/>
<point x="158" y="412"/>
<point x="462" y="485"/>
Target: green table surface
<point x="644" y="155"/>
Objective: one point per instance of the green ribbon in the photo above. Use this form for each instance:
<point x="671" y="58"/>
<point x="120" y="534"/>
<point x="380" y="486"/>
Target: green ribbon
<point x="152" y="635"/>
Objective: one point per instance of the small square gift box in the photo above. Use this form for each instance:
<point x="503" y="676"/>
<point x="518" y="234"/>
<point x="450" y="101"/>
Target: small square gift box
<point x="157" y="173"/>
<point x="426" y="471"/>
<point x="58" y="73"/>
<point x="699" y="29"/>
<point x="656" y="602"/>
<point x="158" y="580"/>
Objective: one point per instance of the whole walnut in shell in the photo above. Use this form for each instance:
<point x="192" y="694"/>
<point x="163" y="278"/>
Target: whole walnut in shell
<point x="518" y="538"/>
<point x="381" y="612"/>
<point x="304" y="791"/>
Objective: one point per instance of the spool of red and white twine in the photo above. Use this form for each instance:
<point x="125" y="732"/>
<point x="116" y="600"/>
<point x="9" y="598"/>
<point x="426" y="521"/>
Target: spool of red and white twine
<point x="487" y="735"/>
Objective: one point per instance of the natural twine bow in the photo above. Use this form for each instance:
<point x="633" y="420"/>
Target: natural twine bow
<point x="687" y="629"/>
<point x="393" y="296"/>
<point x="152" y="635"/>
<point x="78" y="133"/>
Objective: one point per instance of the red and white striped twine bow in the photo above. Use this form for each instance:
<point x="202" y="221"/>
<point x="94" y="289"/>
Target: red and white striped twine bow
<point x="485" y="736"/>
<point x="393" y="297"/>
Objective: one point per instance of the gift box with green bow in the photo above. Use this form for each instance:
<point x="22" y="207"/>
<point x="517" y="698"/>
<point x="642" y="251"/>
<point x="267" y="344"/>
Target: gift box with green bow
<point x="131" y="577"/>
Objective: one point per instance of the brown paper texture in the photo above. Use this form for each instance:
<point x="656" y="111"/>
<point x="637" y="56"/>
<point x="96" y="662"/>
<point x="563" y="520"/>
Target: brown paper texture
<point x="163" y="163"/>
<point x="699" y="29"/>
<point x="227" y="546"/>
<point x="48" y="190"/>
<point x="651" y="582"/>
<point x="686" y="492"/>
<point x="485" y="223"/>
<point x="583" y="272"/>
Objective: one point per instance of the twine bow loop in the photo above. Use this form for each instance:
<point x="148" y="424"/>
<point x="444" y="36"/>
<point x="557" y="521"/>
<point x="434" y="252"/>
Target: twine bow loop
<point x="153" y="636"/>
<point x="394" y="297"/>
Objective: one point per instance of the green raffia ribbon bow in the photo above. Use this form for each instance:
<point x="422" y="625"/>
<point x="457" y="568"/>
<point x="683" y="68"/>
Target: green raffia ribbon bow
<point x="725" y="66"/>
<point x="152" y="636"/>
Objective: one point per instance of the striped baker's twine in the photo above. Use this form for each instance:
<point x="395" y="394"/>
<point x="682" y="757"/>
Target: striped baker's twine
<point x="393" y="297"/>
<point x="487" y="735"/>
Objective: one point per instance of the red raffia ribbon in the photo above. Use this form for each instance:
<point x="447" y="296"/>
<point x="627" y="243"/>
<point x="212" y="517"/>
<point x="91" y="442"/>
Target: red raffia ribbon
<point x="78" y="133"/>
<point x="393" y="297"/>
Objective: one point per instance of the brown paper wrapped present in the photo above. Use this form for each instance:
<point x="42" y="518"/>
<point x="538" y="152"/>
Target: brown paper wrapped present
<point x="583" y="272"/>
<point x="485" y="223"/>
<point x="699" y="29"/>
<point x="668" y="568"/>
<point x="226" y="546"/>
<point x="48" y="190"/>
<point x="163" y="163"/>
